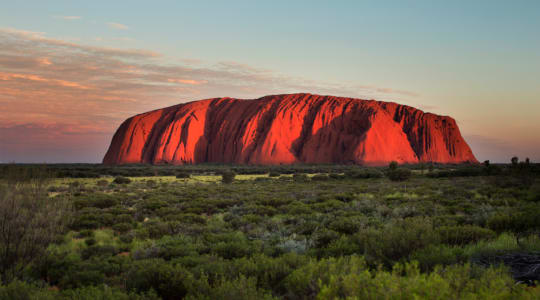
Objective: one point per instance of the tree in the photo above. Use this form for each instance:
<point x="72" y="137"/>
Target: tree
<point x="393" y="165"/>
<point x="228" y="176"/>
<point x="514" y="161"/>
<point x="30" y="220"/>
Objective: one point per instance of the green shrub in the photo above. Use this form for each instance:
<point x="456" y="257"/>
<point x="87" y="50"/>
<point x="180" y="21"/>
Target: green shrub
<point x="297" y="208"/>
<point x="104" y="292"/>
<point x="86" y="220"/>
<point x="175" y="246"/>
<point x="350" y="278"/>
<point x="98" y="250"/>
<point x="364" y="174"/>
<point x="396" y="240"/>
<point x="533" y="194"/>
<point x="262" y="179"/>
<point x="122" y="227"/>
<point x="324" y="237"/>
<point x="98" y="200"/>
<point x="239" y="288"/>
<point x="18" y="290"/>
<point x="399" y="174"/>
<point x="156" y="229"/>
<point x="85" y="233"/>
<point x="232" y="249"/>
<point x="304" y="282"/>
<point x="183" y="175"/>
<point x="345" y="245"/>
<point x="229" y="245"/>
<point x="344" y="225"/>
<point x="124" y="218"/>
<point x="299" y="177"/>
<point x="126" y="238"/>
<point x="461" y="235"/>
<point x="438" y="255"/>
<point x="121" y="180"/>
<point x="90" y="241"/>
<point x="102" y="183"/>
<point x="520" y="223"/>
<point x="274" y="174"/>
<point x="168" y="281"/>
<point x="76" y="278"/>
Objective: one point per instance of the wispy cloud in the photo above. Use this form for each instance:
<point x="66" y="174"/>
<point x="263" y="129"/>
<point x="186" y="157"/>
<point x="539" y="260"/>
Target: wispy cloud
<point x="187" y="81"/>
<point x="121" y="39"/>
<point x="117" y="26"/>
<point x="30" y="77"/>
<point x="47" y="82"/>
<point x="69" y="18"/>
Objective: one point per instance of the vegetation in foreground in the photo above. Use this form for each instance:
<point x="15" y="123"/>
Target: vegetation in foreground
<point x="253" y="232"/>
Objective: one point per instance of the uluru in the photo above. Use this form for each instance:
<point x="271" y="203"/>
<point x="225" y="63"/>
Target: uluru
<point x="288" y="129"/>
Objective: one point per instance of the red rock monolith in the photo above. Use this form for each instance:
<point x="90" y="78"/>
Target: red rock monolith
<point x="287" y="129"/>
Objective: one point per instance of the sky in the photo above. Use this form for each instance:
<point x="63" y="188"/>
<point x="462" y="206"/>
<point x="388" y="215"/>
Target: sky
<point x="72" y="71"/>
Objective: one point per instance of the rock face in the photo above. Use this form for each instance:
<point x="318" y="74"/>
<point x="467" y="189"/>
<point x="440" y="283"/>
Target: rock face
<point x="287" y="129"/>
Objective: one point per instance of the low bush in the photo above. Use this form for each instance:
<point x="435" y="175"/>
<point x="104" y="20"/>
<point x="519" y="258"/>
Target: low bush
<point x="438" y="255"/>
<point x="364" y="174"/>
<point x="98" y="250"/>
<point x="300" y="177"/>
<point x="399" y="174"/>
<point x="121" y="180"/>
<point x="183" y="175"/>
<point x="396" y="240"/>
<point x="239" y="288"/>
<point x="349" y="278"/>
<point x="521" y="223"/>
<point x="122" y="227"/>
<point x="168" y="281"/>
<point x="344" y="225"/>
<point x="102" y="183"/>
<point x="461" y="235"/>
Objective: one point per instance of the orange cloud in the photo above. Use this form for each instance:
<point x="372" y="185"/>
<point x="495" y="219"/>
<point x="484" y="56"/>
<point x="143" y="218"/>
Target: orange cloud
<point x="44" y="61"/>
<point x="118" y="26"/>
<point x="65" y="83"/>
<point x="188" y="81"/>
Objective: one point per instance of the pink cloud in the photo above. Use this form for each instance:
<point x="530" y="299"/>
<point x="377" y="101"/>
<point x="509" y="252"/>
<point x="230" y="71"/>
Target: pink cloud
<point x="44" y="61"/>
<point x="85" y="91"/>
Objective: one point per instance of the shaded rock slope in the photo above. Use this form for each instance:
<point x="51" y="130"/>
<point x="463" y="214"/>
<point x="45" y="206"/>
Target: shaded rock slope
<point x="287" y="129"/>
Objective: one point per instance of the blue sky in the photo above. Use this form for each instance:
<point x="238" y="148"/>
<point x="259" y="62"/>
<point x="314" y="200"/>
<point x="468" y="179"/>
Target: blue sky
<point x="477" y="61"/>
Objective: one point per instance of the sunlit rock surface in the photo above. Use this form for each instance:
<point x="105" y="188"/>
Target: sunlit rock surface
<point x="287" y="129"/>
